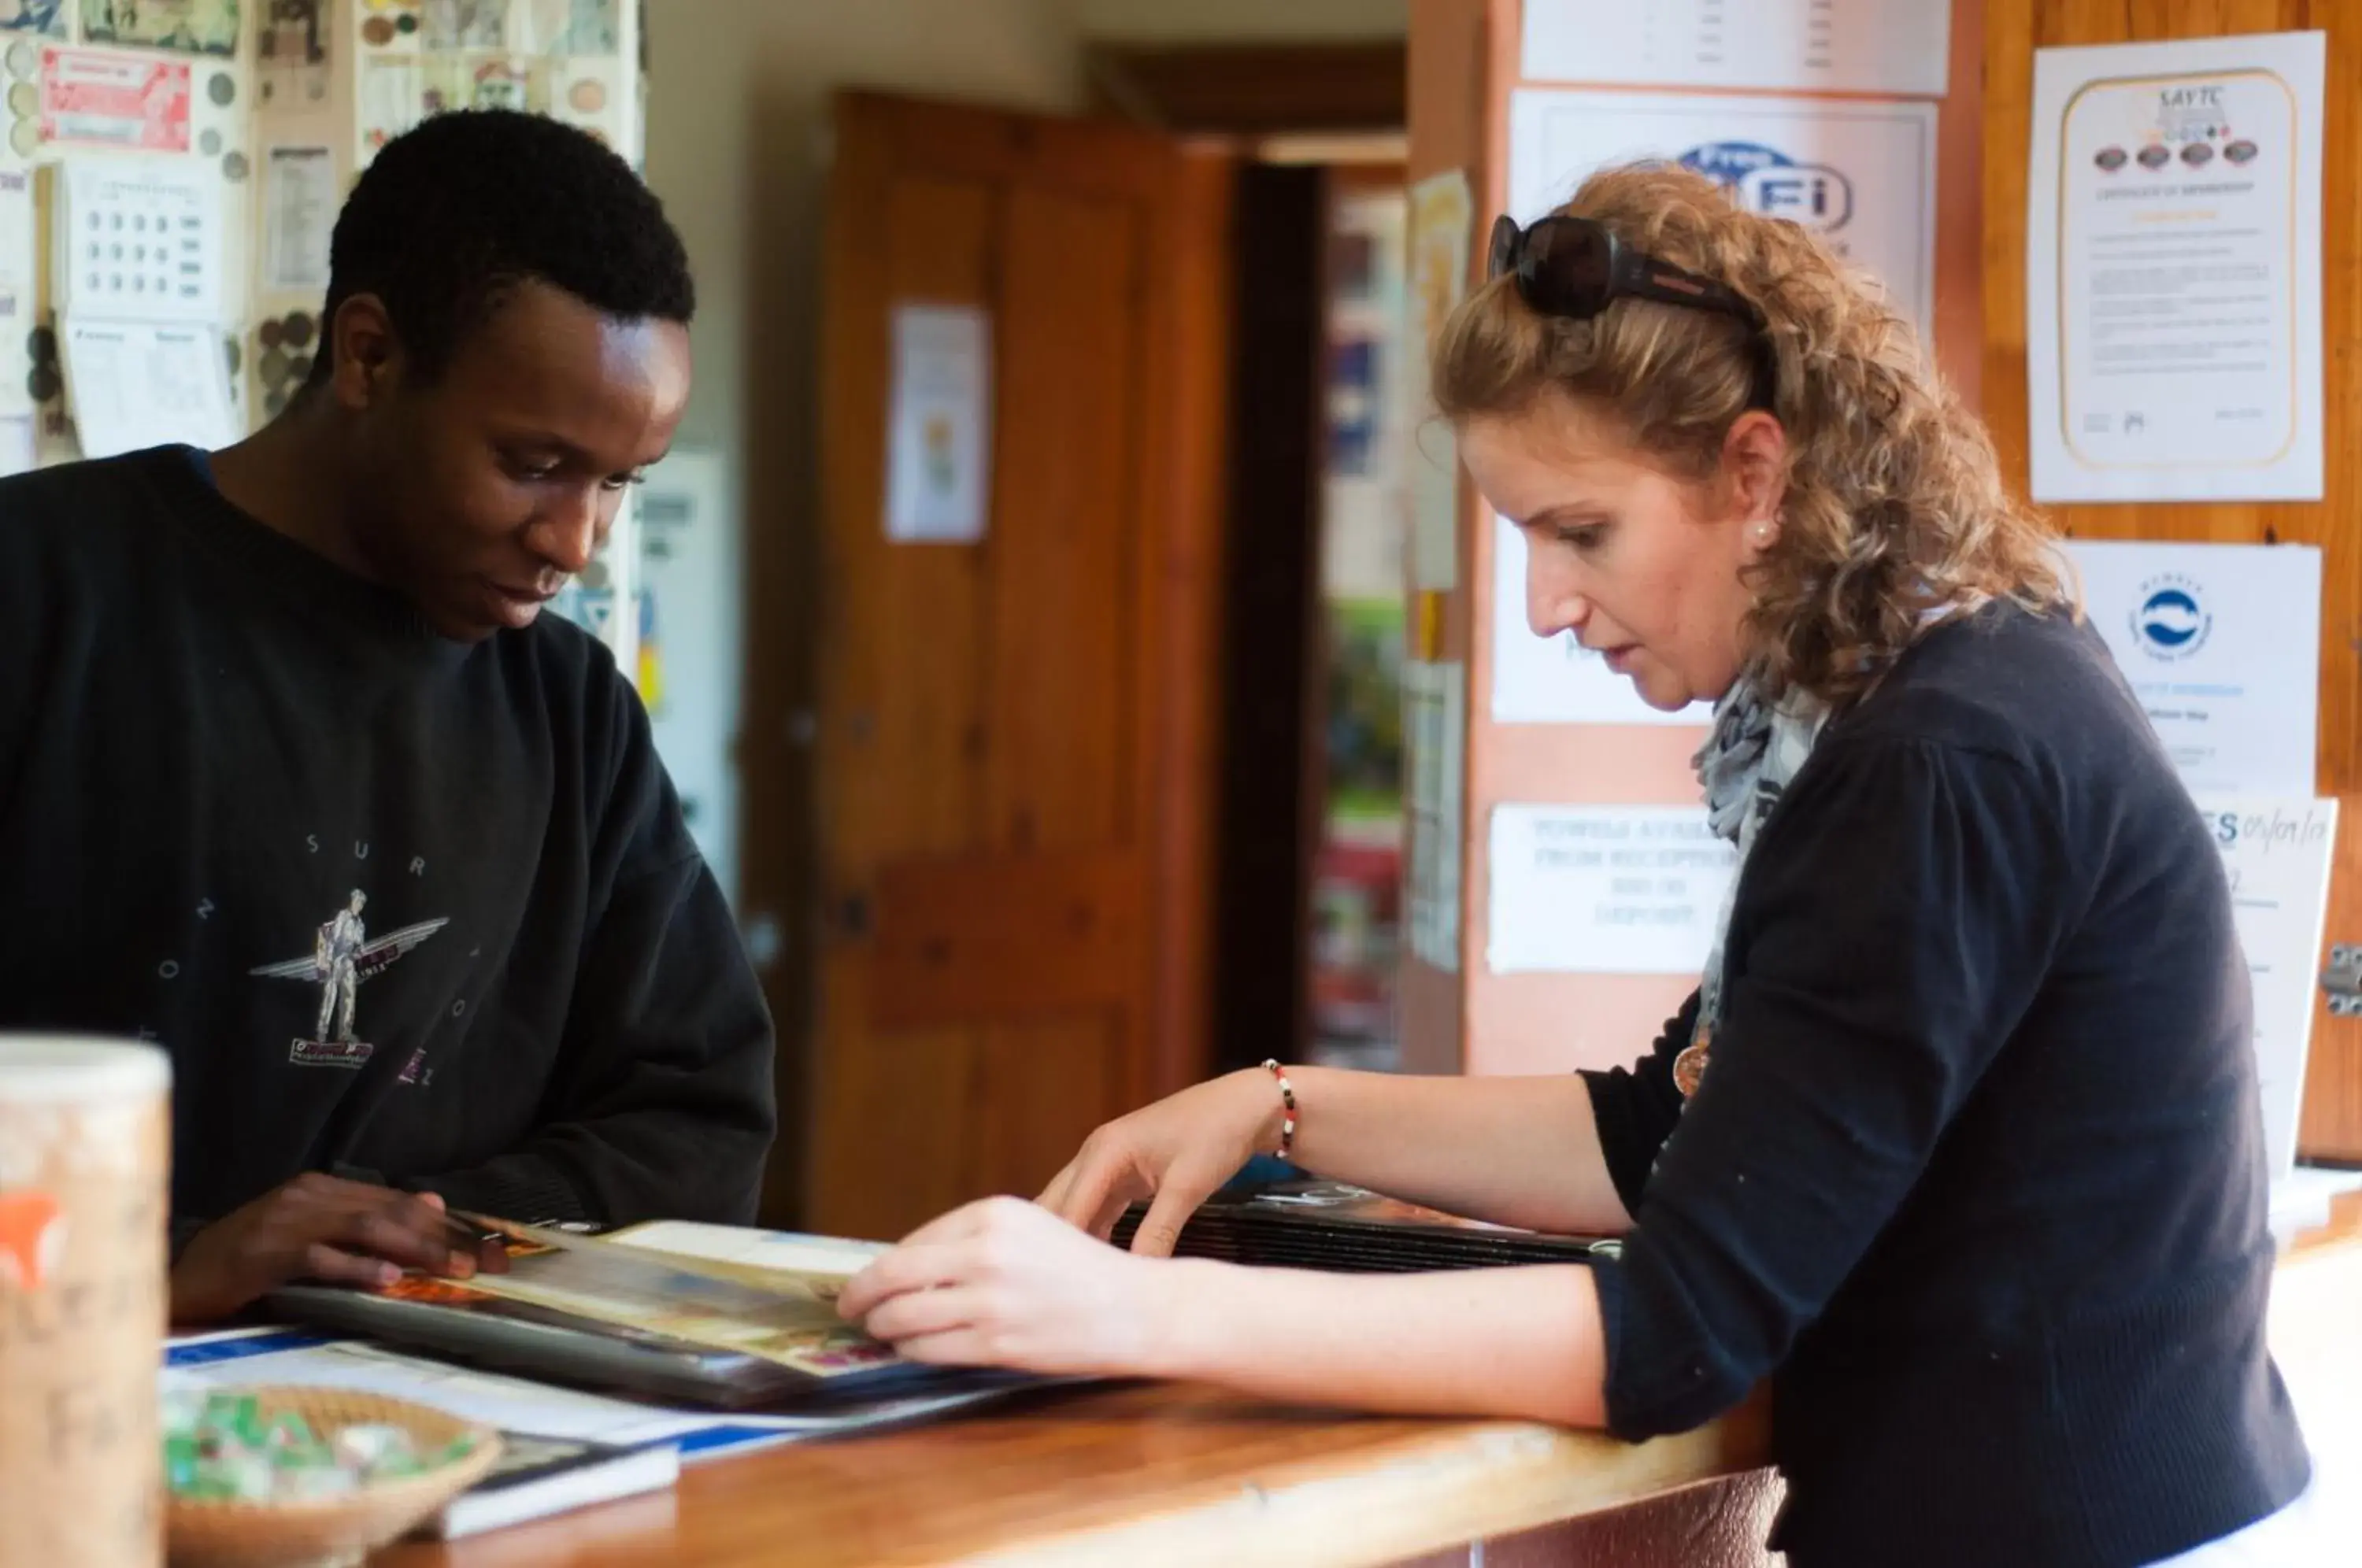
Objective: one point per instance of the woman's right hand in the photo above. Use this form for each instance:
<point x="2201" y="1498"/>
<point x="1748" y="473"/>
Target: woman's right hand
<point x="1175" y="1153"/>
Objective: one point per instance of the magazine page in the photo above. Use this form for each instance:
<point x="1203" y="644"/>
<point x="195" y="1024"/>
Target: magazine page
<point x="824" y="1262"/>
<point x="777" y="1315"/>
<point x="811" y="1267"/>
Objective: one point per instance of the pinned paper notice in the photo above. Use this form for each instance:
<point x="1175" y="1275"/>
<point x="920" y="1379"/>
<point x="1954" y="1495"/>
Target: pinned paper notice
<point x="300" y="210"/>
<point x="136" y="384"/>
<point x="938" y="434"/>
<point x="1605" y="890"/>
<point x="2277" y="853"/>
<point x="141" y="239"/>
<point x="2173" y="271"/>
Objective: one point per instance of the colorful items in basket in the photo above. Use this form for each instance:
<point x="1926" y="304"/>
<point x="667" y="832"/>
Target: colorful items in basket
<point x="225" y="1447"/>
<point x="270" y="1477"/>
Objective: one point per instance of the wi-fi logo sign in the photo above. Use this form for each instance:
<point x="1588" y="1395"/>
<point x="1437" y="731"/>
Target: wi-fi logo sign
<point x="1766" y="180"/>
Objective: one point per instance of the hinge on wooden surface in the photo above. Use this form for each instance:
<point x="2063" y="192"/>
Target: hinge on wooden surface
<point x="2342" y="980"/>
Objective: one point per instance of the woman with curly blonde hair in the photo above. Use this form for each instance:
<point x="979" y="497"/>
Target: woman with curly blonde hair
<point x="1956" y="1144"/>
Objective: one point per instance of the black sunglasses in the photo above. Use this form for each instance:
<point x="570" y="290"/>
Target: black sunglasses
<point x="1575" y="267"/>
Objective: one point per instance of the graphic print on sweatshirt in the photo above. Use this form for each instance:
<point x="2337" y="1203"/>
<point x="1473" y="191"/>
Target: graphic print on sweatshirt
<point x="343" y="956"/>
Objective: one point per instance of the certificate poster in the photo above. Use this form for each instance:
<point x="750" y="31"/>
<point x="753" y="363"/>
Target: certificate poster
<point x="2173" y="271"/>
<point x="1826" y="45"/>
<point x="2277" y="851"/>
<point x="1861" y="173"/>
<point x="1603" y="890"/>
<point x="2221" y="645"/>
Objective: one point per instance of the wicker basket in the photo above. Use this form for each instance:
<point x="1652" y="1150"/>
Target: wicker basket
<point x="205" y="1533"/>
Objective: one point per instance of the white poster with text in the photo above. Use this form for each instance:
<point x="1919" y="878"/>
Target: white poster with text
<point x="2222" y="644"/>
<point x="1828" y="46"/>
<point x="2173" y="271"/>
<point x="1603" y="890"/>
<point x="2276" y="854"/>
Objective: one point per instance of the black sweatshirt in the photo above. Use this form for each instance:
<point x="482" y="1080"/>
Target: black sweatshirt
<point x="1975" y="1172"/>
<point x="398" y="907"/>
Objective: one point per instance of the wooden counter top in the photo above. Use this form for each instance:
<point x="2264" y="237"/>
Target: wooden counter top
<point x="1147" y="1475"/>
<point x="2343" y="1230"/>
<point x="1137" y="1475"/>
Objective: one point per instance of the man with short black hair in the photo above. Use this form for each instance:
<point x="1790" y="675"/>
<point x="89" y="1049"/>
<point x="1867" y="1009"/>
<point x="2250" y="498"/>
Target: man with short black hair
<point x="296" y="780"/>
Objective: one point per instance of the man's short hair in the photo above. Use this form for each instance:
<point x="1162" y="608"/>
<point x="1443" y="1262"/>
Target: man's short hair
<point x="471" y="204"/>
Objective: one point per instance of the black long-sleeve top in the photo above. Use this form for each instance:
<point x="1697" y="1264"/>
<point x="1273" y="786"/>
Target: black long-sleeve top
<point x="1975" y="1174"/>
<point x="396" y="905"/>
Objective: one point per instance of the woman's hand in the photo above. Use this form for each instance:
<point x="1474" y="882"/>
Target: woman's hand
<point x="1174" y="1153"/>
<point x="1006" y="1283"/>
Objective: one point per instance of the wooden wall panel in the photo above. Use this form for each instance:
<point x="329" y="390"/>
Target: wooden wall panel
<point x="2013" y="30"/>
<point x="1455" y="59"/>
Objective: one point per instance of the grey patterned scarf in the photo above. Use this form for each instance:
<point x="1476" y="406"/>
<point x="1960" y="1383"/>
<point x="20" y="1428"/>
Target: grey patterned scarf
<point x="1755" y="748"/>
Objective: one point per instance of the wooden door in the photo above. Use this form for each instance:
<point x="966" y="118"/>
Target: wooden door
<point x="2332" y="1123"/>
<point x="1014" y="735"/>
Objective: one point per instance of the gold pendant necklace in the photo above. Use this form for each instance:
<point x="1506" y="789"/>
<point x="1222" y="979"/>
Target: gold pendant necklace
<point x="1689" y="1068"/>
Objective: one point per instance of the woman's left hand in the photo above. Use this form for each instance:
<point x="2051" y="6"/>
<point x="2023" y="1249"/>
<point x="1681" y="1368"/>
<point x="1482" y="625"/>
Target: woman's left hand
<point x="1007" y="1283"/>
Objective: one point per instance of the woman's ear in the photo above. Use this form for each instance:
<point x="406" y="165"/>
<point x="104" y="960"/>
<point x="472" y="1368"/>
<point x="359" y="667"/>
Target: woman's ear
<point x="1755" y="465"/>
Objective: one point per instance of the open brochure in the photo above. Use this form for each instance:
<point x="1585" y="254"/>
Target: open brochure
<point x="755" y="1292"/>
<point x="717" y="1316"/>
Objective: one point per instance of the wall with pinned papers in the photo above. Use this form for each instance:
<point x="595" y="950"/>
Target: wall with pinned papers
<point x="170" y="176"/>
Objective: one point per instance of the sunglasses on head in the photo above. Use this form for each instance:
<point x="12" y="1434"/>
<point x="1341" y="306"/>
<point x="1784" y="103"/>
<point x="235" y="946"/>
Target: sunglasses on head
<point x="1577" y="268"/>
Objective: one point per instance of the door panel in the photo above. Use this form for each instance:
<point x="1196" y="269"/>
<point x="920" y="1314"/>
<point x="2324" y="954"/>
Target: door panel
<point x="920" y="1088"/>
<point x="1012" y="737"/>
<point x="1005" y="936"/>
<point x="919" y="726"/>
<point x="1064" y="634"/>
<point x="1022" y="1137"/>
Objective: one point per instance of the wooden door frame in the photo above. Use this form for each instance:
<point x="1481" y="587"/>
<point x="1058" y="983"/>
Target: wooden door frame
<point x="1261" y="96"/>
<point x="1272" y="670"/>
<point x="1187" y="292"/>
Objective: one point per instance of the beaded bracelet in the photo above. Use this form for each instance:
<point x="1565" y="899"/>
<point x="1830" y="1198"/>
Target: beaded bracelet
<point x="1287" y="1102"/>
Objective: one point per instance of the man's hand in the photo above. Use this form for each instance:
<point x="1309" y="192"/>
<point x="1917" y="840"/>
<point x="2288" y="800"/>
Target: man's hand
<point x="320" y="1227"/>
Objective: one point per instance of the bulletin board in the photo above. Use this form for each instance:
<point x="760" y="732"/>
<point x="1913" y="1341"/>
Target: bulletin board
<point x="241" y="124"/>
<point x="2331" y="1127"/>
